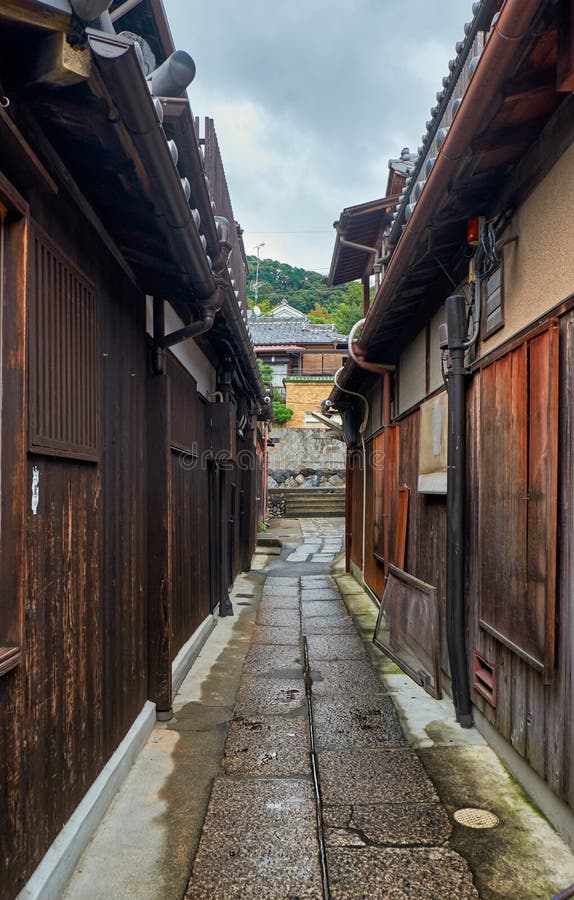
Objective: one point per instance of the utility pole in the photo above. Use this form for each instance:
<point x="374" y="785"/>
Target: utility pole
<point x="256" y="285"/>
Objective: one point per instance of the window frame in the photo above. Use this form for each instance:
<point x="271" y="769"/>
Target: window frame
<point x="13" y="462"/>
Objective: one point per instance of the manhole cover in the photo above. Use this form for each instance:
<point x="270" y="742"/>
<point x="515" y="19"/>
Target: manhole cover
<point x="476" y="818"/>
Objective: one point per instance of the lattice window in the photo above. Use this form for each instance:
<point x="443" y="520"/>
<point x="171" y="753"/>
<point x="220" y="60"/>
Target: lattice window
<point x="64" y="357"/>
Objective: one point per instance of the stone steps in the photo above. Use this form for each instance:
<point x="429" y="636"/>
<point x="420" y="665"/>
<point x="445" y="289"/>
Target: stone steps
<point x="310" y="502"/>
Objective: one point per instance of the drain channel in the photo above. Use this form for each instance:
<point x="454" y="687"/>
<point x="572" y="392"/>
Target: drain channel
<point x="315" y="772"/>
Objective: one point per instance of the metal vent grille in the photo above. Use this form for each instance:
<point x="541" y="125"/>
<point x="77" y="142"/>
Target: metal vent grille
<point x="64" y="369"/>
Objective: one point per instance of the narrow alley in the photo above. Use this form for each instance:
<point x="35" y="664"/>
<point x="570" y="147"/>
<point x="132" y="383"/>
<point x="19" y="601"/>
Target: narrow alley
<point x="338" y="776"/>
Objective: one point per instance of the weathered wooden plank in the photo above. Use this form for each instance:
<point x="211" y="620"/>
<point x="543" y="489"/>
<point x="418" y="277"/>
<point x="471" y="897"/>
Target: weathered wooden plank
<point x="542" y="492"/>
<point x="159" y="543"/>
<point x="503" y="496"/>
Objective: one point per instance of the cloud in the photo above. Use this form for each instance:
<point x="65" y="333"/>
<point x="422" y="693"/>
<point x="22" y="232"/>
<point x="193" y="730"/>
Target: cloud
<point x="310" y="100"/>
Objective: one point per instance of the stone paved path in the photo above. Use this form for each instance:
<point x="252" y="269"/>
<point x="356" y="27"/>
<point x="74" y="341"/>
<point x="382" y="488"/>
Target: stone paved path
<point x="321" y="794"/>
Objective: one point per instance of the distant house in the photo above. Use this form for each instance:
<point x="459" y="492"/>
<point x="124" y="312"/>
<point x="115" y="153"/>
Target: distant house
<point x="284" y="311"/>
<point x="473" y="319"/>
<point x="360" y="229"/>
<point x="304" y="358"/>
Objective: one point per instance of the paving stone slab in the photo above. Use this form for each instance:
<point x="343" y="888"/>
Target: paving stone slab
<point x="350" y="678"/>
<point x="390" y="823"/>
<point x="318" y="580"/>
<point x="281" y="581"/>
<point x="267" y="745"/>
<point x="276" y="635"/>
<point x="419" y="873"/>
<point x="266" y="696"/>
<point x="334" y="609"/>
<point x="366" y="777"/>
<point x="279" y="601"/>
<point x="282" y="662"/>
<point x="280" y="591"/>
<point x="282" y="617"/>
<point x="346" y="722"/>
<point x="258" y="842"/>
<point x="335" y="647"/>
<point x="325" y="593"/>
<point x="334" y="624"/>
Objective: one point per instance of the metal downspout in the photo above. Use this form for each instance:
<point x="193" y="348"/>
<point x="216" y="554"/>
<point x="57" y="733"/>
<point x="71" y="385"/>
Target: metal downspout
<point x="456" y="490"/>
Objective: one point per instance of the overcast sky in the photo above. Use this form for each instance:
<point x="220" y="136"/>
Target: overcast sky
<point x="310" y="100"/>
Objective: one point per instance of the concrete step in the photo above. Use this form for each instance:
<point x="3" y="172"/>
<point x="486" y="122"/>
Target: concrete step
<point x="310" y="502"/>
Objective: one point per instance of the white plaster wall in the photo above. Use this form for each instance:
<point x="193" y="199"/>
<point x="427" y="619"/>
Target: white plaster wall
<point x="188" y="353"/>
<point x="412" y="372"/>
<point x="539" y="269"/>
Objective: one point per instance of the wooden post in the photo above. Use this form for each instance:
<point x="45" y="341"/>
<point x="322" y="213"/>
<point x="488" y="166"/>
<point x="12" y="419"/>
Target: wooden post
<point x="348" y="511"/>
<point x="387" y="472"/>
<point x="159" y="545"/>
<point x="366" y="294"/>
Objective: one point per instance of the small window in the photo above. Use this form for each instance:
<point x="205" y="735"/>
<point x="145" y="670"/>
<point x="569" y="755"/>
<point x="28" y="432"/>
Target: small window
<point x="64" y="369"/>
<point x="493" y="302"/>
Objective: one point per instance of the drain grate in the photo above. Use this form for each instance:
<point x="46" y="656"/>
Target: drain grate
<point x="476" y="818"/>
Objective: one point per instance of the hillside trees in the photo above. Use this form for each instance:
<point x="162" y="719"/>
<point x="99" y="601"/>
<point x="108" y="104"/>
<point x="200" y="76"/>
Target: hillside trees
<point x="305" y="290"/>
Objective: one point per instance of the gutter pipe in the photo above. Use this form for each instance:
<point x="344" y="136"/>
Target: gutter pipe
<point x="456" y="491"/>
<point x="191" y="164"/>
<point x="89" y="10"/>
<point x="494" y="66"/>
<point x="118" y="63"/>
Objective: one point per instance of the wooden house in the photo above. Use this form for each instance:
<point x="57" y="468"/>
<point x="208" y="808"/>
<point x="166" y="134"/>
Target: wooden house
<point x="485" y="220"/>
<point x="131" y="460"/>
<point x="303" y="356"/>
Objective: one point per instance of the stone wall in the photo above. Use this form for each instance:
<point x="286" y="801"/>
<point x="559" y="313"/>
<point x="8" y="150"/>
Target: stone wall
<point x="306" y="457"/>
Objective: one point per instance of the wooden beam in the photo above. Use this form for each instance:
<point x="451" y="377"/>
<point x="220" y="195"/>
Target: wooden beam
<point x="556" y="137"/>
<point x="565" y="60"/>
<point x="33" y="13"/>
<point x="123" y="9"/>
<point x="15" y="146"/>
<point x="58" y="167"/>
<point x="58" y="63"/>
<point x="366" y="294"/>
<point x="533" y="83"/>
<point x="509" y="136"/>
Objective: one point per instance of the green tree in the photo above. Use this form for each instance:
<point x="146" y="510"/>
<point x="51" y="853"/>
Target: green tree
<point x="319" y="315"/>
<point x="281" y="412"/>
<point x="350" y="310"/>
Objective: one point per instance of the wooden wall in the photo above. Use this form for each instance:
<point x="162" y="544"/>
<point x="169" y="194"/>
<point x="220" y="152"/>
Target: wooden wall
<point x="191" y="601"/>
<point x="537" y="719"/>
<point x="534" y="705"/>
<point x="83" y="676"/>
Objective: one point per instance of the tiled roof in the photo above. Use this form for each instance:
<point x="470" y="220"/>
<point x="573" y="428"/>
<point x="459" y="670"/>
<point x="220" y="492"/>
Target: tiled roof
<point x="266" y="330"/>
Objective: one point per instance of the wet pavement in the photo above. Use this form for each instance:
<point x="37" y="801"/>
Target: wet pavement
<point x="302" y="763"/>
<point x="321" y="795"/>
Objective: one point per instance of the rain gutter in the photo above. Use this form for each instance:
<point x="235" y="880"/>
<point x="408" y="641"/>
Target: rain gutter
<point x="494" y="66"/>
<point x="118" y="63"/>
<point x="191" y="165"/>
